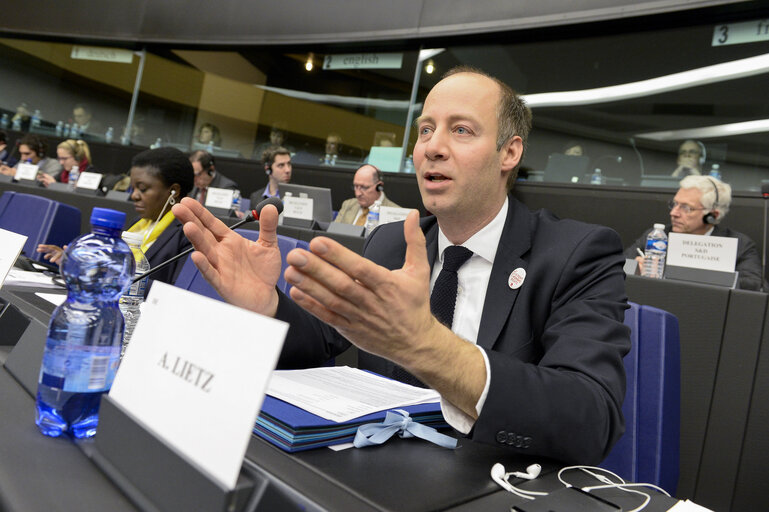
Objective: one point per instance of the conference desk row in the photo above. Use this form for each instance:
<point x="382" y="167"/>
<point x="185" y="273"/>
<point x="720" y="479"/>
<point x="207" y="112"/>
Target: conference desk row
<point x="39" y="473"/>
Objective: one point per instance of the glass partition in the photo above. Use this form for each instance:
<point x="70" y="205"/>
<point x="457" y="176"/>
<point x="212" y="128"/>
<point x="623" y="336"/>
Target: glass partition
<point x="632" y="108"/>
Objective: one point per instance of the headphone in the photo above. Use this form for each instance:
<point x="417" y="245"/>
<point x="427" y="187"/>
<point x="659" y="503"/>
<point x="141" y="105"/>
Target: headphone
<point x="36" y="144"/>
<point x="499" y="476"/>
<point x="709" y="218"/>
<point x="267" y="169"/>
<point x="380" y="181"/>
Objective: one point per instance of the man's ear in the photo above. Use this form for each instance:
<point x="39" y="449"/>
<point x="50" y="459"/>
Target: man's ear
<point x="511" y="152"/>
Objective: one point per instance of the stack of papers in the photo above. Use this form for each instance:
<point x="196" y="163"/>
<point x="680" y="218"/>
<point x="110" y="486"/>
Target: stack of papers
<point x="307" y="409"/>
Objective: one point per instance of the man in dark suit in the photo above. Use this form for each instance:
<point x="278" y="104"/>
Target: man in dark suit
<point x="206" y="175"/>
<point x="698" y="208"/>
<point x="530" y="355"/>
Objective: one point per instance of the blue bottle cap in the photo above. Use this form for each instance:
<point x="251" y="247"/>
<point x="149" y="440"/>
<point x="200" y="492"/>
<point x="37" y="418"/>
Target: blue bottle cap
<point x="107" y="218"/>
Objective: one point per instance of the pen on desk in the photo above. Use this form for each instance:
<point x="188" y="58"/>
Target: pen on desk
<point x="640" y="252"/>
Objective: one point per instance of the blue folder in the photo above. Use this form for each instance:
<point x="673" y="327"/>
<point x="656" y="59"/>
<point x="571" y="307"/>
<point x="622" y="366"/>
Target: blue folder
<point x="293" y="429"/>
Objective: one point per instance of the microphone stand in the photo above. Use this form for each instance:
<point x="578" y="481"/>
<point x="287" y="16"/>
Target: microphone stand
<point x="765" y="195"/>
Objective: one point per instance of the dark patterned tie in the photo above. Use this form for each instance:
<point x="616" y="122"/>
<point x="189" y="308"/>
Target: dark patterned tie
<point x="444" y="296"/>
<point x="443" y="299"/>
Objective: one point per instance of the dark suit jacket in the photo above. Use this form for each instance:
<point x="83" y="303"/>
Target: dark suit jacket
<point x="170" y="243"/>
<point x="555" y="345"/>
<point x="219" y="181"/>
<point x="748" y="259"/>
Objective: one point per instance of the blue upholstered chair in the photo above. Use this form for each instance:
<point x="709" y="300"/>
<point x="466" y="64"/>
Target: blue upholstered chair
<point x="191" y="279"/>
<point x="648" y="451"/>
<point x="41" y="220"/>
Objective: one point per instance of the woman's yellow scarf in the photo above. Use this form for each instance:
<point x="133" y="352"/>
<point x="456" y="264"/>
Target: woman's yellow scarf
<point x="144" y="224"/>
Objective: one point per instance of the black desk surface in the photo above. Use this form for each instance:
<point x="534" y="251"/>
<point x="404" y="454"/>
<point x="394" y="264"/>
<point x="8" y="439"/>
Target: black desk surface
<point x="41" y="473"/>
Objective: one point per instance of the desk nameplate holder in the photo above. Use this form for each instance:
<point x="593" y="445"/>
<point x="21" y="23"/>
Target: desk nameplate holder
<point x="698" y="275"/>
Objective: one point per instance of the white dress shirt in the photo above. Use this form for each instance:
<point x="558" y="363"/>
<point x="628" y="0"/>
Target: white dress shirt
<point x="473" y="280"/>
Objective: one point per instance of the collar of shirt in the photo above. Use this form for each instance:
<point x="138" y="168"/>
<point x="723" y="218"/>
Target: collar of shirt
<point x="360" y="210"/>
<point x="710" y="231"/>
<point x="267" y="192"/>
<point x="483" y="244"/>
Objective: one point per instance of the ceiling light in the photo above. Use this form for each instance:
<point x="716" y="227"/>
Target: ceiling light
<point x="709" y="132"/>
<point x="308" y="65"/>
<point x="430" y="67"/>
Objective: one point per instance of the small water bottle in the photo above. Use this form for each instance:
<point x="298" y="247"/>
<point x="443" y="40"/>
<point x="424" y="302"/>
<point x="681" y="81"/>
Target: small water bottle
<point x="372" y="220"/>
<point x="210" y="146"/>
<point x="4" y="122"/>
<point x="74" y="131"/>
<point x="158" y="143"/>
<point x="74" y="174"/>
<point x="236" y="200"/>
<point x="596" y="178"/>
<point x="327" y="159"/>
<point x="17" y="124"/>
<point x="408" y="166"/>
<point x="132" y="299"/>
<point x="35" y="119"/>
<point x="66" y="131"/>
<point x="333" y="159"/>
<point x="656" y="250"/>
<point x="82" y="350"/>
<point x="60" y="128"/>
<point x="109" y="135"/>
<point x="715" y="171"/>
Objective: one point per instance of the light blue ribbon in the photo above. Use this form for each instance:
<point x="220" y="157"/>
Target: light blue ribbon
<point x="399" y="421"/>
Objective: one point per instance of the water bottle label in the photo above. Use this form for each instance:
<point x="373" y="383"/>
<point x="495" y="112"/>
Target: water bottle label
<point x="137" y="289"/>
<point x="79" y="369"/>
<point x="373" y="216"/>
<point x="656" y="245"/>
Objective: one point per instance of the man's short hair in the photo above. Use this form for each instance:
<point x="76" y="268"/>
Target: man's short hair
<point x="169" y="165"/>
<point x="268" y="157"/>
<point x="35" y="143"/>
<point x="377" y="172"/>
<point x="707" y="186"/>
<point x="513" y="116"/>
<point x="205" y="158"/>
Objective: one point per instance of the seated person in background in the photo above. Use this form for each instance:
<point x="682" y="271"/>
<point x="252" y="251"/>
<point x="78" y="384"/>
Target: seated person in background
<point x="71" y="154"/>
<point x="32" y="150"/>
<point x="21" y="117"/>
<point x="206" y="176"/>
<point x="277" y="139"/>
<point x="698" y="208"/>
<point x="574" y="148"/>
<point x="369" y="188"/>
<point x="208" y="133"/>
<point x="6" y="158"/>
<point x="333" y="143"/>
<point x="523" y="342"/>
<point x="691" y="158"/>
<point x="83" y="116"/>
<point x="158" y="177"/>
<point x="277" y="166"/>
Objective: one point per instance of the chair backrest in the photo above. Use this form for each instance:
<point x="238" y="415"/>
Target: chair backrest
<point x="191" y="279"/>
<point x="649" y="449"/>
<point x="41" y="220"/>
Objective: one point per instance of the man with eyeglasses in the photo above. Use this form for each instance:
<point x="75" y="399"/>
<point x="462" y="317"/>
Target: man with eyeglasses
<point x="691" y="158"/>
<point x="206" y="175"/>
<point x="697" y="209"/>
<point x="369" y="188"/>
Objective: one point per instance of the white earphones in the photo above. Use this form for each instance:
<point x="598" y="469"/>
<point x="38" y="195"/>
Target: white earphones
<point x="499" y="476"/>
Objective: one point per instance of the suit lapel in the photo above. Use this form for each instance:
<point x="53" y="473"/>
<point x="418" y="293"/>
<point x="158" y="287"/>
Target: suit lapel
<point x="430" y="229"/>
<point x="515" y="241"/>
<point x="161" y="241"/>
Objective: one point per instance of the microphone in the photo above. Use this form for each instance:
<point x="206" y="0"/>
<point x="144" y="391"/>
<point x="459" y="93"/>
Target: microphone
<point x="252" y="216"/>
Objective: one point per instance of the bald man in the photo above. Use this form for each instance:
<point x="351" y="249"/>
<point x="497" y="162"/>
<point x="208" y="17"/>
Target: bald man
<point x="369" y="188"/>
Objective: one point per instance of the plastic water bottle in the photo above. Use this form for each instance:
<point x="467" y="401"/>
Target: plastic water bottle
<point x="372" y="220"/>
<point x="82" y="351"/>
<point x="236" y="200"/>
<point x="66" y="131"/>
<point x="327" y="159"/>
<point x="333" y="159"/>
<point x="715" y="172"/>
<point x="35" y="119"/>
<point x="109" y="135"/>
<point x="210" y="146"/>
<point x="158" y="143"/>
<point x="17" y="124"/>
<point x="59" y="128"/>
<point x="74" y="131"/>
<point x="656" y="250"/>
<point x="132" y="299"/>
<point x="408" y="166"/>
<point x="596" y="178"/>
<point x="4" y="122"/>
<point x="74" y="174"/>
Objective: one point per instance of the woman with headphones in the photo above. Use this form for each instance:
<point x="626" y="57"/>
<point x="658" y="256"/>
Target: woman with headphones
<point x="32" y="151"/>
<point x="71" y="154"/>
<point x="159" y="178"/>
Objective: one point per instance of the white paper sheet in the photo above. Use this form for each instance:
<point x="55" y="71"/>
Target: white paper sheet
<point x="11" y="245"/>
<point x="342" y="393"/>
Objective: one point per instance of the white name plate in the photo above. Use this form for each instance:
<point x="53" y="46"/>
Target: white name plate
<point x="89" y="180"/>
<point x="11" y="245"/>
<point x="705" y="252"/>
<point x="195" y="374"/>
<point x="219" y="198"/>
<point x="392" y="214"/>
<point x="298" y="207"/>
<point x="25" y="171"/>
